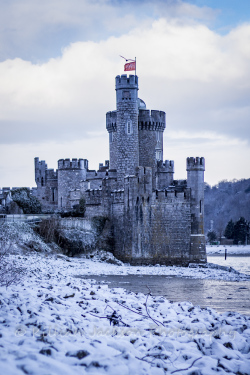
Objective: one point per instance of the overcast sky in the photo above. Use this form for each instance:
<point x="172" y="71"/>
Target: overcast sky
<point x="59" y="59"/>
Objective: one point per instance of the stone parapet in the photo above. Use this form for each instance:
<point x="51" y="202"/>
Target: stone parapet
<point x="73" y="164"/>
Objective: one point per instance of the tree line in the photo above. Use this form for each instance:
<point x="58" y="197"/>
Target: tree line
<point x="227" y="211"/>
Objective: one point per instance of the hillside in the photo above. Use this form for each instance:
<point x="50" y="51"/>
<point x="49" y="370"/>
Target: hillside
<point x="225" y="201"/>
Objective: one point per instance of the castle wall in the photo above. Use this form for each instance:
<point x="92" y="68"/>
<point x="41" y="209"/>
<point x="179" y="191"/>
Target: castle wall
<point x="154" y="231"/>
<point x="70" y="173"/>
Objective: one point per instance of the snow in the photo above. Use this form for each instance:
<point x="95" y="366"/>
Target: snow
<point x="55" y="323"/>
<point x="231" y="249"/>
<point x="94" y="266"/>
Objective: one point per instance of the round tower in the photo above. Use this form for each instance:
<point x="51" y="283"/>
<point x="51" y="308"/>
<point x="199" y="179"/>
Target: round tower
<point x="127" y="145"/>
<point x="151" y="125"/>
<point x="195" y="181"/>
<point x="70" y="173"/>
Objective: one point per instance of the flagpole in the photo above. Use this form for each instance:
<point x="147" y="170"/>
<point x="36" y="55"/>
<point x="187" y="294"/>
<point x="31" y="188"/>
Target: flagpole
<point x="135" y="65"/>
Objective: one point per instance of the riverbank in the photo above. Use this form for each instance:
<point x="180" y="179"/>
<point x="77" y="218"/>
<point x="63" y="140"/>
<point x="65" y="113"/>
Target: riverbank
<point x="231" y="249"/>
<point x="53" y="322"/>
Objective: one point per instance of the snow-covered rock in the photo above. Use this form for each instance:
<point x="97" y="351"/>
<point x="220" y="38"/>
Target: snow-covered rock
<point x="54" y="323"/>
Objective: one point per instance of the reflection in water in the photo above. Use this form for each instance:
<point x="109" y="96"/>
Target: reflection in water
<point x="217" y="294"/>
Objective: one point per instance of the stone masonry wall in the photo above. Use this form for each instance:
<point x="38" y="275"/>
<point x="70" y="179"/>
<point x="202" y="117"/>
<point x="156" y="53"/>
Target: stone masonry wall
<point x="127" y="126"/>
<point x="154" y="232"/>
<point x="70" y="173"/>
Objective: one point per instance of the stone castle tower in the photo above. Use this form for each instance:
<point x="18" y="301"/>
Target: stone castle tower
<point x="154" y="218"/>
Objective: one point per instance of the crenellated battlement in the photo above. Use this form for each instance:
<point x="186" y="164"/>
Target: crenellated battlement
<point x="111" y="119"/>
<point x="93" y="196"/>
<point x="170" y="194"/>
<point x="51" y="174"/>
<point x="151" y="120"/>
<point x="40" y="163"/>
<point x="73" y="164"/>
<point x="125" y="82"/>
<point x="197" y="164"/>
<point x="167" y="166"/>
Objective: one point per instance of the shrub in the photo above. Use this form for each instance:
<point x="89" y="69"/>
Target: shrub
<point x="47" y="229"/>
<point x="10" y="271"/>
<point x="28" y="203"/>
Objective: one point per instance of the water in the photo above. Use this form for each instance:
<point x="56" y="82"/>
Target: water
<point x="217" y="294"/>
<point x="238" y="262"/>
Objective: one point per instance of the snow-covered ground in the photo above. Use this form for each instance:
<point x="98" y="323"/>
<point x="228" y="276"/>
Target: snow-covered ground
<point x="231" y="249"/>
<point x="96" y="266"/>
<point x="54" y="323"/>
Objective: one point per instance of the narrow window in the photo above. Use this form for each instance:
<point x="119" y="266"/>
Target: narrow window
<point x="200" y="206"/>
<point x="158" y="154"/>
<point x="61" y="201"/>
<point x="42" y="181"/>
<point x="129" y="127"/>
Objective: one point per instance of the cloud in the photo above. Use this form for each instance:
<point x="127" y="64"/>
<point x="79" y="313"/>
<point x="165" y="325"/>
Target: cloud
<point x="36" y="30"/>
<point x="201" y="80"/>
<point x="54" y="94"/>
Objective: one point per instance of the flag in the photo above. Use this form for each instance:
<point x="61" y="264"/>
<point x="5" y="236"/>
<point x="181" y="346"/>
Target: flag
<point x="130" y="66"/>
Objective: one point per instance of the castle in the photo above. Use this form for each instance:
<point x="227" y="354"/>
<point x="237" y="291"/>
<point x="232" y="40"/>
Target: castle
<point x="155" y="219"/>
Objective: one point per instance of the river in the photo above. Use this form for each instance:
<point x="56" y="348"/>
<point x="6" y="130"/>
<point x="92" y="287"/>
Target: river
<point x="217" y="294"/>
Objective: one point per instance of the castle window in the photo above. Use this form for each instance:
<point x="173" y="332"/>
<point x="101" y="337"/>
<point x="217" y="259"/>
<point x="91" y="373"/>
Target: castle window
<point x="42" y="181"/>
<point x="200" y="206"/>
<point x="158" y="136"/>
<point x="158" y="155"/>
<point x="126" y="95"/>
<point x="129" y="127"/>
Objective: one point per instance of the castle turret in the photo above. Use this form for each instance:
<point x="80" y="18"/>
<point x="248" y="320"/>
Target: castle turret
<point x="46" y="181"/>
<point x="70" y="173"/>
<point x="164" y="174"/>
<point x="151" y="126"/>
<point x="195" y="181"/>
<point x="124" y="156"/>
<point x="111" y="120"/>
<point x="40" y="172"/>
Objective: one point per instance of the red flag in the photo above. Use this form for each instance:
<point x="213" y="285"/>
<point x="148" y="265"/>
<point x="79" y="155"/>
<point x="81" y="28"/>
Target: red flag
<point x="129" y="66"/>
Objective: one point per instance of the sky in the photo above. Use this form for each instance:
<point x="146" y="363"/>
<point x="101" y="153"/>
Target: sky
<point x="59" y="60"/>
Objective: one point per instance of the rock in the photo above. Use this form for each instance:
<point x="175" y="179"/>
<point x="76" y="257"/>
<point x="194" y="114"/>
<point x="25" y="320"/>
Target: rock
<point x="80" y="354"/>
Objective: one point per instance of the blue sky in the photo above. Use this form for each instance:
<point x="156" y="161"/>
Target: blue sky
<point x="58" y="60"/>
<point x="231" y="13"/>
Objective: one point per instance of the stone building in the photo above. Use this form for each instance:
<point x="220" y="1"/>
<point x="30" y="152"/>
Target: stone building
<point x="154" y="218"/>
